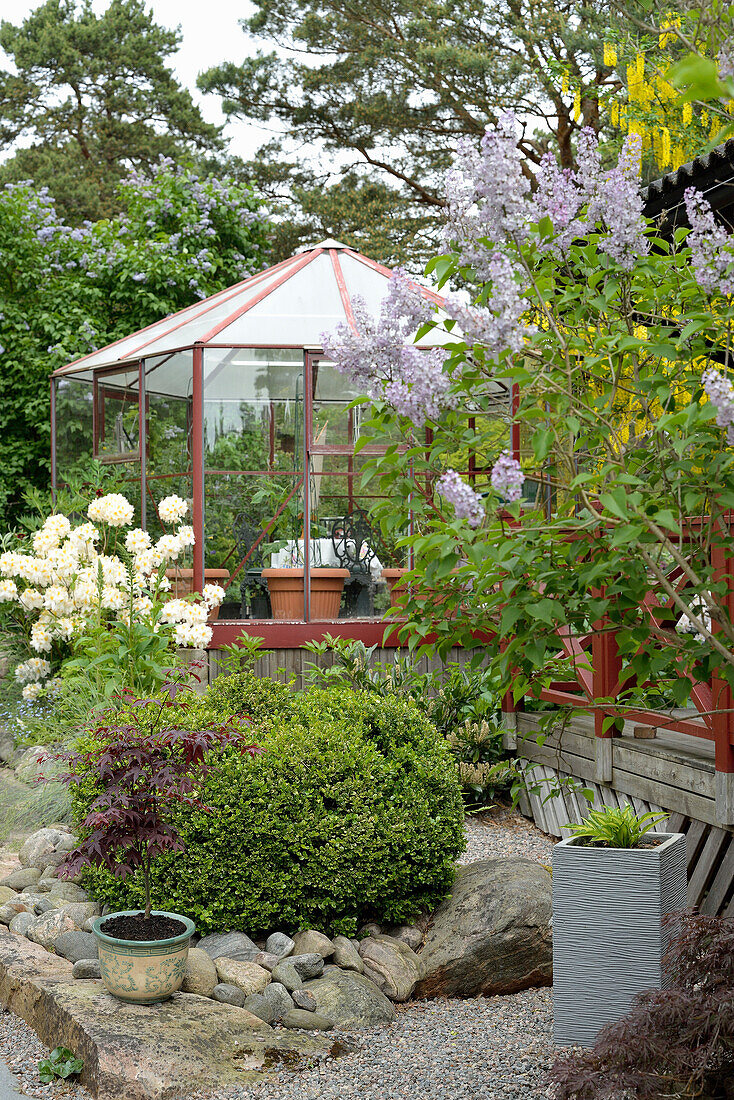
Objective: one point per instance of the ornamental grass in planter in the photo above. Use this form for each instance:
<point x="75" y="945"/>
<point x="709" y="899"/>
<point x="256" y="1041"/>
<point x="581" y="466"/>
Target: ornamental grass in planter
<point x="614" y="883"/>
<point x="141" y="767"/>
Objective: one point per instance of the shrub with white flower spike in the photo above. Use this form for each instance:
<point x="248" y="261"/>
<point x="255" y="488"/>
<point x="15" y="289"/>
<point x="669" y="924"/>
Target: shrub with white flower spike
<point x="78" y="580"/>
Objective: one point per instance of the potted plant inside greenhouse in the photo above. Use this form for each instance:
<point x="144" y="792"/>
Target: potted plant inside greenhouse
<point x="614" y="882"/>
<point x="131" y="776"/>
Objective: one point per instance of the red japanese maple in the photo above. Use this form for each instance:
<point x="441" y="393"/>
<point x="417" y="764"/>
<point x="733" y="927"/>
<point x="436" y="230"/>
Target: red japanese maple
<point x="145" y="766"/>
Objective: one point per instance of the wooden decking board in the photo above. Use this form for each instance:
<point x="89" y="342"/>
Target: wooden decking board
<point x="695" y="838"/>
<point x="722" y="883"/>
<point x="702" y="873"/>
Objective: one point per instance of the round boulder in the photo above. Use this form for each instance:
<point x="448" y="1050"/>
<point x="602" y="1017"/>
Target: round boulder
<point x="38" y="846"/>
<point x="312" y="942"/>
<point x="247" y="976"/>
<point x="350" y="1000"/>
<point x="201" y="974"/>
<point x="391" y="965"/>
<point x="492" y="934"/>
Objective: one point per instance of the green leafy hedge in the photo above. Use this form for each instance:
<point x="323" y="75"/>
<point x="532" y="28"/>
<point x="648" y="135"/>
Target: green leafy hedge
<point x="352" y="812"/>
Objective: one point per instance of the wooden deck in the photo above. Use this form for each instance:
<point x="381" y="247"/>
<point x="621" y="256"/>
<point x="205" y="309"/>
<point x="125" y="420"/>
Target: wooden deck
<point x="672" y="771"/>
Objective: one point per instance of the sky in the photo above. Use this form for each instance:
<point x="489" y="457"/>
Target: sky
<point x="211" y="34"/>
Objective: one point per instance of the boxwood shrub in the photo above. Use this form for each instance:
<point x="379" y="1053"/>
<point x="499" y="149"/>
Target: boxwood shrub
<point x="352" y="812"/>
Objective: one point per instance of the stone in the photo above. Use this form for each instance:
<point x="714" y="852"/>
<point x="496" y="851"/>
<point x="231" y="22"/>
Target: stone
<point x="308" y="1021"/>
<point x="86" y="968"/>
<point x="307" y="966"/>
<point x="37" y="888"/>
<point x="39" y="844"/>
<point x="279" y="944"/>
<point x="24" y="876"/>
<point x="350" y="1000"/>
<point x="369" y="929"/>
<point x="80" y="911"/>
<point x="67" y="843"/>
<point x="76" y="945"/>
<point x="44" y="905"/>
<point x="22" y="923"/>
<point x="310" y="942"/>
<point x="12" y="908"/>
<point x="49" y="926"/>
<point x="88" y="925"/>
<point x="346" y="955"/>
<point x="391" y="965"/>
<point x="266" y="960"/>
<point x="258" y="1006"/>
<point x="302" y="999"/>
<point x="228" y="994"/>
<point x="249" y="977"/>
<point x="6" y="894"/>
<point x="409" y="934"/>
<point x="201" y="974"/>
<point x="137" y="1052"/>
<point x="68" y="891"/>
<point x="279" y="1000"/>
<point x="231" y="945"/>
<point x="492" y="934"/>
<point x="286" y="974"/>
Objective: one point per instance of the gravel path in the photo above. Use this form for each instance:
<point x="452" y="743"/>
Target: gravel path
<point x="486" y="1048"/>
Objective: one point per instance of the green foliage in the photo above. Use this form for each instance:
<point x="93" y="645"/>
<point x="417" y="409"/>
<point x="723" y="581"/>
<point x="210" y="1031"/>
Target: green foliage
<point x="95" y="95"/>
<point x="351" y="812"/>
<point x="60" y="1064"/>
<point x="384" y="96"/>
<point x="243" y="654"/>
<point x="64" y="292"/>
<point x="613" y="827"/>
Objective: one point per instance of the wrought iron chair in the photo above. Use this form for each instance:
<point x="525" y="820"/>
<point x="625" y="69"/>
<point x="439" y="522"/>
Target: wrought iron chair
<point x="254" y="596"/>
<point x="354" y="541"/>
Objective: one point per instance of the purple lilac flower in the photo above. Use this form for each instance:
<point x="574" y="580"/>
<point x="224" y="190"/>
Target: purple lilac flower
<point x="467" y="504"/>
<point x="487" y="196"/>
<point x="726" y="59"/>
<point x="139" y="277"/>
<point x="720" y="393"/>
<point x="379" y="358"/>
<point x="507" y="477"/>
<point x="558" y="197"/>
<point x="500" y="327"/>
<point x="618" y="202"/>
<point x="711" y="251"/>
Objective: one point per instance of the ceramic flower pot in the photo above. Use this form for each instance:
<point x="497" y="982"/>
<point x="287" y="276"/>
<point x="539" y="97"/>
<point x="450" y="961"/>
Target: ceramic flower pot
<point x="609" y="937"/>
<point x="143" y="971"/>
<point x="182" y="584"/>
<point x="286" y="592"/>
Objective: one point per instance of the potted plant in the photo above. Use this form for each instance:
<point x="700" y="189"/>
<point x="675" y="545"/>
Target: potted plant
<point x="143" y="769"/>
<point x="614" y="882"/>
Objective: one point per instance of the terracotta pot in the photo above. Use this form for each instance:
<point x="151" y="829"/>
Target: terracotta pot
<point x="182" y="583"/>
<point x="143" y="971"/>
<point x="394" y="579"/>
<point x="286" y="592"/>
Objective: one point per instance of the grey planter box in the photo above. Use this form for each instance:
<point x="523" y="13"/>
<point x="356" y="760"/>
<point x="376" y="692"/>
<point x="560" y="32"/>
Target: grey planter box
<point x="608" y="937"/>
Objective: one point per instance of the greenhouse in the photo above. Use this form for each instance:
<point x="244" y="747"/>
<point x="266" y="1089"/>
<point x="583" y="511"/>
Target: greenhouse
<point x="232" y="405"/>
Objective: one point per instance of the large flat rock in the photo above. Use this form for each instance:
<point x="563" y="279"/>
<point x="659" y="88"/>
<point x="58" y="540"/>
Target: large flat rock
<point x="142" y="1052"/>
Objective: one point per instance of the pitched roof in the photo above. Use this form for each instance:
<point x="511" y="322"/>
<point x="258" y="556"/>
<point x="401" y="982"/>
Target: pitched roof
<point x="288" y="305"/>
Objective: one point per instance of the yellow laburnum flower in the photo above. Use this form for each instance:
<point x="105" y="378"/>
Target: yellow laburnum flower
<point x="667" y="29"/>
<point x="664" y="157"/>
<point x="614" y="113"/>
<point x="679" y="156"/>
<point x="610" y="55"/>
<point x="577" y="105"/>
<point x="704" y="117"/>
<point x="687" y="114"/>
<point x="565" y="82"/>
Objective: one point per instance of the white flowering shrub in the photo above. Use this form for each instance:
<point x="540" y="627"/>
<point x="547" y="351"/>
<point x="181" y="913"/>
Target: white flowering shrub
<point x="96" y="594"/>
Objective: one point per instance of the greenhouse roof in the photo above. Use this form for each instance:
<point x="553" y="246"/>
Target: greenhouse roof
<point x="287" y="306"/>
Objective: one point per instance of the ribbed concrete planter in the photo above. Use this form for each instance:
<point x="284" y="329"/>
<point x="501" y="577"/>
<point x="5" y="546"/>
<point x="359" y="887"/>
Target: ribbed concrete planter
<point x="143" y="972"/>
<point x="608" y="934"/>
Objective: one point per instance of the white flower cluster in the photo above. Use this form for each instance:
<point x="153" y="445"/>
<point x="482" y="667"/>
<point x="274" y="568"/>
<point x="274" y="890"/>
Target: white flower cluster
<point x="66" y="581"/>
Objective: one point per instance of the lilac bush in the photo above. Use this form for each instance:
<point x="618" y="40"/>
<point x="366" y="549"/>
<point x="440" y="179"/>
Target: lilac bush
<point x="608" y="336"/>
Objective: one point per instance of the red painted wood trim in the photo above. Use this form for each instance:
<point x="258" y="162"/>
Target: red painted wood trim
<point x="197" y="464"/>
<point x="343" y="292"/>
<point x="292" y="635"/>
<point x="301" y="262"/>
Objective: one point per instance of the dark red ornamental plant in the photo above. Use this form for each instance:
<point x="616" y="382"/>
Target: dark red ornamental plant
<point x="674" y="1043"/>
<point x="145" y="766"/>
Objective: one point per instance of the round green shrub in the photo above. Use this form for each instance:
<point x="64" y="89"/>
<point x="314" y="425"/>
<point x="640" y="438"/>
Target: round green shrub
<point x="352" y="812"/>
